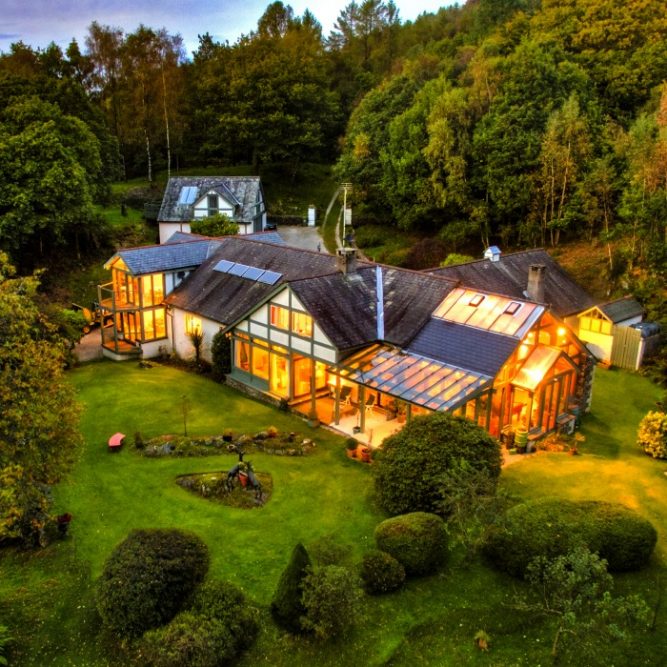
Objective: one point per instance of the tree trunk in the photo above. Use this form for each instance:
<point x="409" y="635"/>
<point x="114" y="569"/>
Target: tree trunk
<point x="166" y="121"/>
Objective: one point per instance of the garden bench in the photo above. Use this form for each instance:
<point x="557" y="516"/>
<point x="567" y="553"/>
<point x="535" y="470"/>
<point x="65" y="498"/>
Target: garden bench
<point x="116" y="442"/>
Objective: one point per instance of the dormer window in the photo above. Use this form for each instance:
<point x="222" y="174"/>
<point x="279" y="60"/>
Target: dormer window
<point x="476" y="300"/>
<point x="212" y="202"/>
<point x="512" y="308"/>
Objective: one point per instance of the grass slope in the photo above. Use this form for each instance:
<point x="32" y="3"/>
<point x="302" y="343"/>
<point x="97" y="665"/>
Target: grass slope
<point x="47" y="597"/>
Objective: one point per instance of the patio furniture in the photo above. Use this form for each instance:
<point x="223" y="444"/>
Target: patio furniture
<point x="116" y="442"/>
<point x="370" y="402"/>
<point x="345" y="395"/>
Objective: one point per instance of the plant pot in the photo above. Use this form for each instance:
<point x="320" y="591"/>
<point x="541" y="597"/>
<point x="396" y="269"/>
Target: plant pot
<point x="351" y="453"/>
<point x="365" y="454"/>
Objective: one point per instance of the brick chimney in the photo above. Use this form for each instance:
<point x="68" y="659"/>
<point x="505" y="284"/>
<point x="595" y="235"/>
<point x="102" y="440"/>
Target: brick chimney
<point x="535" y="289"/>
<point x="346" y="260"/>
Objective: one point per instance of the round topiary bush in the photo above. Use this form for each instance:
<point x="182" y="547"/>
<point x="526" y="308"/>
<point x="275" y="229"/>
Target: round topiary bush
<point x="226" y="603"/>
<point x="148" y="578"/>
<point x="381" y="573"/>
<point x="553" y="527"/>
<point x="652" y="434"/>
<point x="418" y="541"/>
<point x="190" y="639"/>
<point x="408" y="472"/>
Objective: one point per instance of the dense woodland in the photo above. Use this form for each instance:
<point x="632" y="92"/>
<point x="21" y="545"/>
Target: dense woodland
<point x="512" y="121"/>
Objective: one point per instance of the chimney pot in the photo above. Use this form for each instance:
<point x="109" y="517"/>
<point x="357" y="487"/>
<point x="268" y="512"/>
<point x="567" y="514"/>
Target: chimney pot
<point x="346" y="260"/>
<point x="535" y="289"/>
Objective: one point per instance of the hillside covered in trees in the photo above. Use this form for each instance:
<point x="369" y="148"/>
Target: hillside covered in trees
<point x="512" y="121"/>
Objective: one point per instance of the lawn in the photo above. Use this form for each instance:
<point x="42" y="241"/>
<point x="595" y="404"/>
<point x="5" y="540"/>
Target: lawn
<point x="47" y="600"/>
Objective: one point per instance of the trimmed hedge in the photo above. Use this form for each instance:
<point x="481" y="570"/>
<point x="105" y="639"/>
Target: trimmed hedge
<point x="552" y="527"/>
<point x="418" y="541"/>
<point x="381" y="573"/>
<point x="410" y="465"/>
<point x="148" y="578"/>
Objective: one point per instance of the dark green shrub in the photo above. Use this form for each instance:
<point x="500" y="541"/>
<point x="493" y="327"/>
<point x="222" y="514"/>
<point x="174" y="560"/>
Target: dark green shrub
<point x="418" y="541"/>
<point x="287" y="606"/>
<point x="190" y="639"/>
<point x="409" y="471"/>
<point x="381" y="573"/>
<point x="553" y="527"/>
<point x="331" y="601"/>
<point x="221" y="356"/>
<point x="226" y="603"/>
<point x="148" y="578"/>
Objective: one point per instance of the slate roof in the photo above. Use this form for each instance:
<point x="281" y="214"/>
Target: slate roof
<point x="167" y="257"/>
<point x="509" y="276"/>
<point x="343" y="306"/>
<point x="224" y="297"/>
<point x="244" y="190"/>
<point x="347" y="310"/>
<point x="464" y="347"/>
<point x="622" y="309"/>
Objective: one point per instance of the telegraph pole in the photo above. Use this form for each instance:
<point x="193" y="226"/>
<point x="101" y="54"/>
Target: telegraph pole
<point x="346" y="187"/>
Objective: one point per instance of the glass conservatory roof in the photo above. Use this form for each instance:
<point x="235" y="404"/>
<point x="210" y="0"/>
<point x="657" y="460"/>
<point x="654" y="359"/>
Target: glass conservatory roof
<point x="410" y="377"/>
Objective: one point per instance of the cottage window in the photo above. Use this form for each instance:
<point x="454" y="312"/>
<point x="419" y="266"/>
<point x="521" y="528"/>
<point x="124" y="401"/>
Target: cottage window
<point x="242" y="356"/>
<point x="302" y="324"/>
<point x="279" y="317"/>
<point x="260" y="362"/>
<point x="192" y="324"/>
<point x="212" y="202"/>
<point x="152" y="289"/>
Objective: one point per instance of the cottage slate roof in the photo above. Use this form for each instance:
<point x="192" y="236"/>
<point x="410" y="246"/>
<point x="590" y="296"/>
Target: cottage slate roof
<point x="346" y="310"/>
<point x="622" y="309"/>
<point x="509" y="276"/>
<point x="462" y="346"/>
<point x="245" y="191"/>
<point x="343" y="306"/>
<point x="167" y="257"/>
<point x="224" y="297"/>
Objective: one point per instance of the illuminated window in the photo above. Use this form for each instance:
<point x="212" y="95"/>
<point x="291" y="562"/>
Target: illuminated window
<point x="302" y="324"/>
<point x="260" y="362"/>
<point x="242" y="356"/>
<point x="152" y="290"/>
<point x="192" y="324"/>
<point x="279" y="317"/>
<point x="160" y="323"/>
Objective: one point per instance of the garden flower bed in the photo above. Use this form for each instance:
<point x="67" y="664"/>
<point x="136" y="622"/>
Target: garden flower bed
<point x="269" y="441"/>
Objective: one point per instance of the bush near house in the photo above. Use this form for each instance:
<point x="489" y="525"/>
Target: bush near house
<point x="553" y="527"/>
<point x="418" y="541"/>
<point x="408" y="472"/>
<point x="148" y="578"/>
<point x="287" y="607"/>
<point x="381" y="573"/>
<point x="652" y="434"/>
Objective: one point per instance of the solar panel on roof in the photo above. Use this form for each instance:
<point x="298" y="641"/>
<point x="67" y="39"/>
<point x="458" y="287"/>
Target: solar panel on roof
<point x="238" y="269"/>
<point x="252" y="273"/>
<point x="269" y="277"/>
<point x="223" y="266"/>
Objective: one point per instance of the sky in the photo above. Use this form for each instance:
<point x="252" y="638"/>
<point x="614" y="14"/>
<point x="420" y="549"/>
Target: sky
<point x="39" y="22"/>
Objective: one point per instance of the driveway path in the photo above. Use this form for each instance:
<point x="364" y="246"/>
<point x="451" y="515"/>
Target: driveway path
<point x="307" y="238"/>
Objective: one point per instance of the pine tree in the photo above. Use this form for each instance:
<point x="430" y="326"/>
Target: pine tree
<point x="286" y="606"/>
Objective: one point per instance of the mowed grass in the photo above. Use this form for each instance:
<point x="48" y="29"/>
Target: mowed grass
<point x="47" y="597"/>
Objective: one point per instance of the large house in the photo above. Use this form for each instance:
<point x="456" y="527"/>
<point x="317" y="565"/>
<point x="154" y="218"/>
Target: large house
<point x="364" y="346"/>
<point x="192" y="197"/>
<point x="606" y="328"/>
